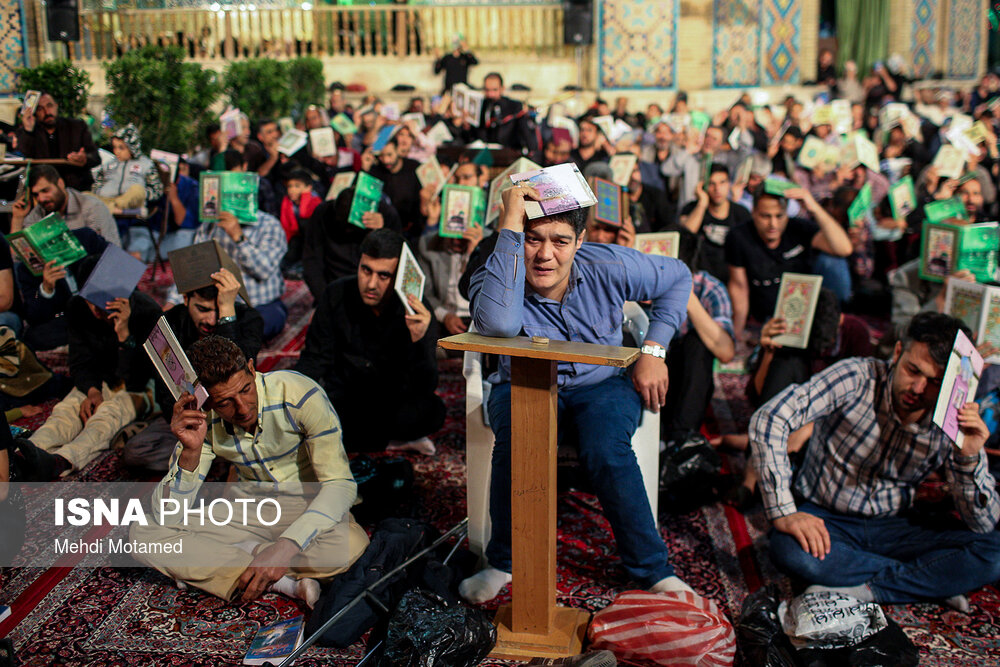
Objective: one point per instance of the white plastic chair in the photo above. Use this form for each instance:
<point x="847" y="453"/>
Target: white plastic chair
<point x="479" y="443"/>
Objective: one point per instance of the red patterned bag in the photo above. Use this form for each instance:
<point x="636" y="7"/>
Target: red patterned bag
<point x="677" y="628"/>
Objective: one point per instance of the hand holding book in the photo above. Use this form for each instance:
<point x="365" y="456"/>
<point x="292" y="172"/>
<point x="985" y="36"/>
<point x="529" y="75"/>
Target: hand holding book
<point x="119" y="310"/>
<point x="514" y="215"/>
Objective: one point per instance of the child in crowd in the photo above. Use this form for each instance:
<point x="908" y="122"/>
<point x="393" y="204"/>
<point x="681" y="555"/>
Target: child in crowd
<point x="296" y="209"/>
<point x="131" y="180"/>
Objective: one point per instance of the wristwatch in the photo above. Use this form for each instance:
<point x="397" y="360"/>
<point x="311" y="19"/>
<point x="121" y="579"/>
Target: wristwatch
<point x="657" y="351"/>
<point x="227" y="319"/>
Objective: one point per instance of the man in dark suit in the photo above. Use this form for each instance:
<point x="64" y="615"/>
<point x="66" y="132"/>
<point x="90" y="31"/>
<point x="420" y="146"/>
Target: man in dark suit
<point x="46" y="135"/>
<point x="501" y="122"/>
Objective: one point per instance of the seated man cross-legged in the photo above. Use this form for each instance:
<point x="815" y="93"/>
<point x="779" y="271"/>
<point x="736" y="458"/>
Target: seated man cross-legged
<point x="541" y="279"/>
<point x="275" y="427"/>
<point x="848" y="522"/>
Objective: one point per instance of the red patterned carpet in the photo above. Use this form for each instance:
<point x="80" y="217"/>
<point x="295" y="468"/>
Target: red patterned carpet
<point x="129" y="617"/>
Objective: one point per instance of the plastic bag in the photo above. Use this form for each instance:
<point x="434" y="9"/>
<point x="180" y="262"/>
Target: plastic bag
<point x="828" y="619"/>
<point x="426" y="631"/>
<point x="887" y="648"/>
<point x="676" y="628"/>
<point x="762" y="639"/>
<point x="690" y="472"/>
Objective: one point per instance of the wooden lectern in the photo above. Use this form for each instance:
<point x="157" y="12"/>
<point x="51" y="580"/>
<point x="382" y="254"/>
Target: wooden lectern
<point x="533" y="625"/>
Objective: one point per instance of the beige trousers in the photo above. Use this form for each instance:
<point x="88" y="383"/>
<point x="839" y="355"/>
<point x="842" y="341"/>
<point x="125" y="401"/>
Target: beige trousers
<point x="66" y="435"/>
<point x="134" y="197"/>
<point x="214" y="557"/>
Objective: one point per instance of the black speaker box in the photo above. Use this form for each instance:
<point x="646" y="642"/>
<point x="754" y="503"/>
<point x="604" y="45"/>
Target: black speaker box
<point x="63" y="17"/>
<point x="578" y="22"/>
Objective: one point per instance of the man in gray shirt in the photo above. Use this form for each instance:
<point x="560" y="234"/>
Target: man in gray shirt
<point x="78" y="209"/>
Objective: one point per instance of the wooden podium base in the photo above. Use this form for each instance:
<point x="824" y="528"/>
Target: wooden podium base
<point x="569" y="627"/>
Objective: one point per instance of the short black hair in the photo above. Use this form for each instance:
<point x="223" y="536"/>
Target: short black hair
<point x="717" y="168"/>
<point x="577" y="219"/>
<point x="46" y="171"/>
<point x="216" y="359"/>
<point x="493" y="75"/>
<point x="383" y="243"/>
<point x="261" y="123"/>
<point x="298" y="174"/>
<point x="211" y="129"/>
<point x="795" y="132"/>
<point x="760" y="192"/>
<point x="233" y="159"/>
<point x="937" y="331"/>
<point x="206" y="292"/>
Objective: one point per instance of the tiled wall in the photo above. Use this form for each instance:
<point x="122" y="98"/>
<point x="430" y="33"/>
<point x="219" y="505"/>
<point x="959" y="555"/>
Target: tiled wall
<point x="12" y="44"/>
<point x="637" y="43"/>
<point x="756" y="42"/>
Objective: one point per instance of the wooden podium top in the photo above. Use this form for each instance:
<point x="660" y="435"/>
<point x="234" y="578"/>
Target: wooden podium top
<point x="554" y="350"/>
<point x="26" y="160"/>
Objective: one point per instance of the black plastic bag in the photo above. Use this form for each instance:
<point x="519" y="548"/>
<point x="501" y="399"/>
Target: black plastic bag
<point x="690" y="473"/>
<point x="426" y="631"/>
<point x="759" y="632"/>
<point x="385" y="485"/>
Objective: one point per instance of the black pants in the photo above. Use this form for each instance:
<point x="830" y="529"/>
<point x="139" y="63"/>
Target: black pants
<point x="369" y="423"/>
<point x="691" y="386"/>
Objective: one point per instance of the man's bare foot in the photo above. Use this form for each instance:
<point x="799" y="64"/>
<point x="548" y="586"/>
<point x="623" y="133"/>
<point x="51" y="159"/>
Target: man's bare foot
<point x="421" y="446"/>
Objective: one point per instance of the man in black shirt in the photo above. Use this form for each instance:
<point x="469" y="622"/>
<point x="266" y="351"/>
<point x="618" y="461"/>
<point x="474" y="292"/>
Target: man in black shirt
<point x="47" y="135"/>
<point x="759" y="251"/>
<point x="110" y="372"/>
<point x="502" y="121"/>
<point x="402" y="186"/>
<point x="455" y="64"/>
<point x="211" y="310"/>
<point x="711" y="216"/>
<point x="332" y="246"/>
<point x="376" y="362"/>
<point x="591" y="147"/>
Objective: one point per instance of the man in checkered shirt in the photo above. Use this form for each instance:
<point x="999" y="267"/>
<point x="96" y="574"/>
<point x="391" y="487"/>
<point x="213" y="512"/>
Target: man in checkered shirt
<point x="847" y="521"/>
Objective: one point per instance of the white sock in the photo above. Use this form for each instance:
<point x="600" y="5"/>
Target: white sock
<point x="300" y="589"/>
<point x="958" y="603"/>
<point x="248" y="545"/>
<point x="669" y="584"/>
<point x="420" y="446"/>
<point x="484" y="585"/>
<point x="181" y="585"/>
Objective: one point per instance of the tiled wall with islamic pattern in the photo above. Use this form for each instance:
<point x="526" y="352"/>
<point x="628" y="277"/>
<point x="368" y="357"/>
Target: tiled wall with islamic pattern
<point x="637" y="43"/>
<point x="12" y="44"/>
<point x="756" y="42"/>
<point x="924" y="36"/>
<point x="965" y="22"/>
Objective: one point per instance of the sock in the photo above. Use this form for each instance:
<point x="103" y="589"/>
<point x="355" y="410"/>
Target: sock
<point x="958" y="603"/>
<point x="306" y="590"/>
<point x="672" y="583"/>
<point x="484" y="585"/>
<point x="181" y="584"/>
<point x="860" y="592"/>
<point x="421" y="446"/>
<point x="248" y="545"/>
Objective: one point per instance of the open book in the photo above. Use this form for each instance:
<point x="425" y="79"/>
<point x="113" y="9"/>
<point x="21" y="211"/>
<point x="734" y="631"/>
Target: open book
<point x="946" y="249"/>
<point x="797" y="299"/>
<point x="231" y="191"/>
<point x="461" y="207"/>
<point x="978" y="306"/>
<point x="561" y="187"/>
<point x="47" y="240"/>
<point x="172" y="364"/>
<point x="273" y="643"/>
<point x="961" y="379"/>
<point x="410" y="278"/>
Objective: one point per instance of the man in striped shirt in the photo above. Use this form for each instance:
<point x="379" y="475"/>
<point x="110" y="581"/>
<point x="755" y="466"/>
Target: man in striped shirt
<point x="283" y="437"/>
<point x="847" y="522"/>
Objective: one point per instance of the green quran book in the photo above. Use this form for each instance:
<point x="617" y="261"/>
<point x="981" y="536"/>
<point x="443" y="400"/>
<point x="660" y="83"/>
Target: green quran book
<point x="858" y="209"/>
<point x="946" y="249"/>
<point x="45" y="241"/>
<point x="367" y="192"/>
<point x="945" y="209"/>
<point x="462" y="206"/>
<point x="231" y="191"/>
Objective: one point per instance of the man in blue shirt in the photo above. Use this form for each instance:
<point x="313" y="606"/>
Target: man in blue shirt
<point x="542" y="280"/>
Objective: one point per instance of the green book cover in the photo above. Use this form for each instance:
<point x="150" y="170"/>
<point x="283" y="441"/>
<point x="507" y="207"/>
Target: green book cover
<point x="231" y="191"/>
<point x="946" y="249"/>
<point x="945" y="209"/>
<point x="858" y="209"/>
<point x="367" y="192"/>
<point x="902" y="198"/>
<point x="774" y="186"/>
<point x="461" y="206"/>
<point x="700" y="120"/>
<point x="45" y="241"/>
<point x="706" y="169"/>
<point x="343" y="125"/>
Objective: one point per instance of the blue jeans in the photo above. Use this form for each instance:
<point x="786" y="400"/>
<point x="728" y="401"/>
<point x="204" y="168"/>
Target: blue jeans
<point x="274" y="315"/>
<point x="900" y="559"/>
<point x="836" y="275"/>
<point x="13" y="321"/>
<point x="605" y="415"/>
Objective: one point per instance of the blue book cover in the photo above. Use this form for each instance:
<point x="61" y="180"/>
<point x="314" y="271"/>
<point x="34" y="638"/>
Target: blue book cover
<point x="383" y="137"/>
<point x="115" y="276"/>
<point x="275" y="642"/>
